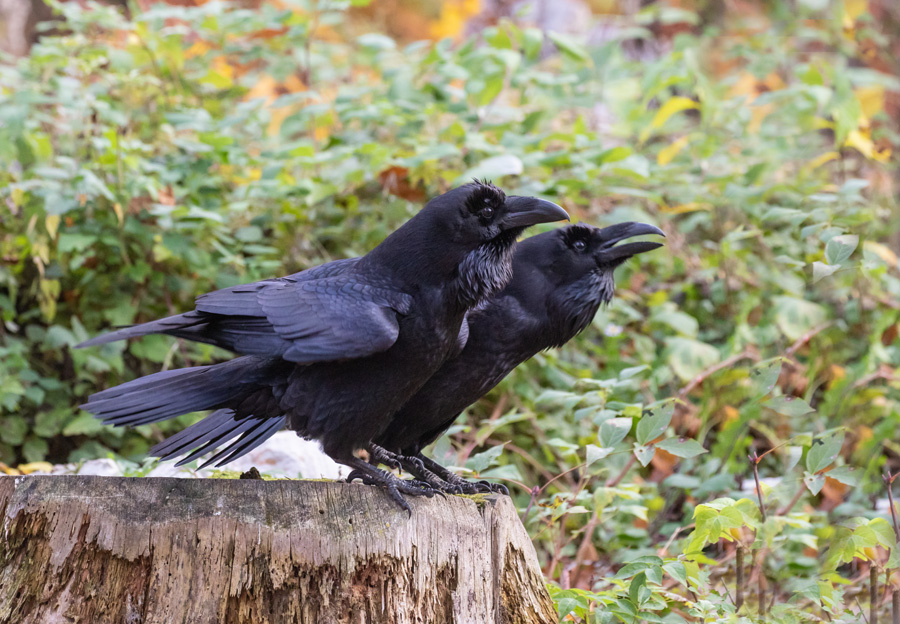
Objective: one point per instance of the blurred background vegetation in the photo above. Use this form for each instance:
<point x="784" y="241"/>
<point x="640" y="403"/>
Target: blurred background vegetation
<point x="154" y="151"/>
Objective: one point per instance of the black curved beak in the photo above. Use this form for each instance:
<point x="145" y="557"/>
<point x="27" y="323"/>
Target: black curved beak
<point x="522" y="212"/>
<point x="612" y="253"/>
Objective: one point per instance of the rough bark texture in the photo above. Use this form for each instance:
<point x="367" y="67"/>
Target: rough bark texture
<point x="108" y="549"/>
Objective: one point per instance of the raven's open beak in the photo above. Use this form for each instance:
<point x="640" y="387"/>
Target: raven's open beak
<point x="522" y="212"/>
<point x="612" y="253"/>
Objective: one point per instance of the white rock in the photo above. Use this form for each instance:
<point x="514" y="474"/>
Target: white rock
<point x="286" y="454"/>
<point x="97" y="467"/>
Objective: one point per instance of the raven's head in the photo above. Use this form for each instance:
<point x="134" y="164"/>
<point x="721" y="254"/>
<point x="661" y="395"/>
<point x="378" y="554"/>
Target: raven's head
<point x="571" y="269"/>
<point x="484" y="223"/>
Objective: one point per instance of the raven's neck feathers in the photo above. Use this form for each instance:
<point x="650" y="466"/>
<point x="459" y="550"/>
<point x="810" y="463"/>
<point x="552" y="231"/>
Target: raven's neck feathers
<point x="486" y="270"/>
<point x="473" y="275"/>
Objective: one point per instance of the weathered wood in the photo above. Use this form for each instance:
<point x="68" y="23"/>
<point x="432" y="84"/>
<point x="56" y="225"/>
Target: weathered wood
<point x="109" y="549"/>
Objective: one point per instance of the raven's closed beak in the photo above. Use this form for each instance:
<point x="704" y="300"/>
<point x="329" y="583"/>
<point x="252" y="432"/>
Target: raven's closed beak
<point x="522" y="212"/>
<point x="616" y="233"/>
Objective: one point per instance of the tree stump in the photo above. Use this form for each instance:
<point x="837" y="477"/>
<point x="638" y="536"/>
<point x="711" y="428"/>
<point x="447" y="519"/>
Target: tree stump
<point x="113" y="549"/>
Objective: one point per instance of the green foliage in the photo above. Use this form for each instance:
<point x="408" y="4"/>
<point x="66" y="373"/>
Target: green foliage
<point x="146" y="160"/>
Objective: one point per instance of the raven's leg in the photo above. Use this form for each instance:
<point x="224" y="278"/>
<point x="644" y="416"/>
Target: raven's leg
<point x="395" y="487"/>
<point x="465" y="486"/>
<point x="432" y="473"/>
<point x="378" y="455"/>
<point x="413" y="465"/>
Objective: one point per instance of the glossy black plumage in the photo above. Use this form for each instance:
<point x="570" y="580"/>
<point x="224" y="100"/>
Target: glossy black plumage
<point x="336" y="350"/>
<point x="560" y="278"/>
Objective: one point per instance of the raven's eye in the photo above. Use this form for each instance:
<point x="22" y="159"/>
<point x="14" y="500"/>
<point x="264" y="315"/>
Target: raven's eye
<point x="487" y="212"/>
<point x="579" y="245"/>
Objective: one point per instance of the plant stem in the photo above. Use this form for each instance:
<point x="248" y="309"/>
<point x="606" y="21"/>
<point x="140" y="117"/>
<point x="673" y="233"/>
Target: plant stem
<point x="754" y="459"/>
<point x="739" y="578"/>
<point x="873" y="594"/>
<point x="614" y="481"/>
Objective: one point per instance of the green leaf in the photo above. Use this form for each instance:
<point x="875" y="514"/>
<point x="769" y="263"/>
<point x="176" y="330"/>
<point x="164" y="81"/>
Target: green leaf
<point x="568" y="46"/>
<point x="765" y="377"/>
<point x="824" y="451"/>
<point x="821" y="271"/>
<point x="795" y="316"/>
<point x="689" y="357"/>
<point x="644" y="454"/>
<point x="653" y="423"/>
<point x="814" y="482"/>
<point x="614" y="430"/>
<point x="848" y="475"/>
<point x="83" y="424"/>
<point x="788" y="405"/>
<point x="681" y="447"/>
<point x="840" y="248"/>
<point x="482" y="461"/>
<point x="595" y="453"/>
<point x="676" y="570"/>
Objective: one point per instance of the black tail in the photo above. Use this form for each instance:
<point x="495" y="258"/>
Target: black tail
<point x="190" y="323"/>
<point x="244" y="392"/>
<point x="172" y="393"/>
<point x="214" y="431"/>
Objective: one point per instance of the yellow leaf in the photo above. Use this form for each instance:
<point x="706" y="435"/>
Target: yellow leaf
<point x="861" y="140"/>
<point x="683" y="208"/>
<point x="746" y="85"/>
<point x="120" y="215"/>
<point x="882" y="251"/>
<point x="52" y="223"/>
<point x="454" y="14"/>
<point x="39" y="466"/>
<point x="199" y="48"/>
<point x="852" y="10"/>
<point x="18" y="196"/>
<point x="757" y="116"/>
<point x="821" y="160"/>
<point x="871" y="100"/>
<point x="278" y="117"/>
<point x="265" y="88"/>
<point x="670" y="151"/>
<point x="674" y="105"/>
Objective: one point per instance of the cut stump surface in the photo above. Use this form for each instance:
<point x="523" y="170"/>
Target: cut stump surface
<point x="141" y="551"/>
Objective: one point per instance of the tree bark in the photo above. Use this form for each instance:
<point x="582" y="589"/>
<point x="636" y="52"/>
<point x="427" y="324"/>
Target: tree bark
<point x="141" y="551"/>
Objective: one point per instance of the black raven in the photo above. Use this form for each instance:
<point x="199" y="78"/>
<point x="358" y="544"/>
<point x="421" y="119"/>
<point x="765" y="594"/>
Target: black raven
<point x="560" y="278"/>
<point x="335" y="351"/>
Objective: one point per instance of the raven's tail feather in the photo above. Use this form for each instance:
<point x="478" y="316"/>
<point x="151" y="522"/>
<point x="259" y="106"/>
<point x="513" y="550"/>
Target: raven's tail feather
<point x="187" y="325"/>
<point x="216" y="429"/>
<point x="172" y="393"/>
<point x="242" y="391"/>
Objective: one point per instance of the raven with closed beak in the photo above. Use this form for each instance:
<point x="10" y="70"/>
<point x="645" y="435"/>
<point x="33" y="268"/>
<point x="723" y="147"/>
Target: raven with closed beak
<point x="560" y="278"/>
<point x="335" y="351"/>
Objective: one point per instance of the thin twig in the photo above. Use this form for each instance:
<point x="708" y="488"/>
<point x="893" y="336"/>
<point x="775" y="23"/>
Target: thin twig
<point x="790" y="505"/>
<point x="802" y="340"/>
<point x="754" y="459"/>
<point x="726" y="363"/>
<point x="614" y="481"/>
<point x="739" y="578"/>
<point x="873" y="593"/>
